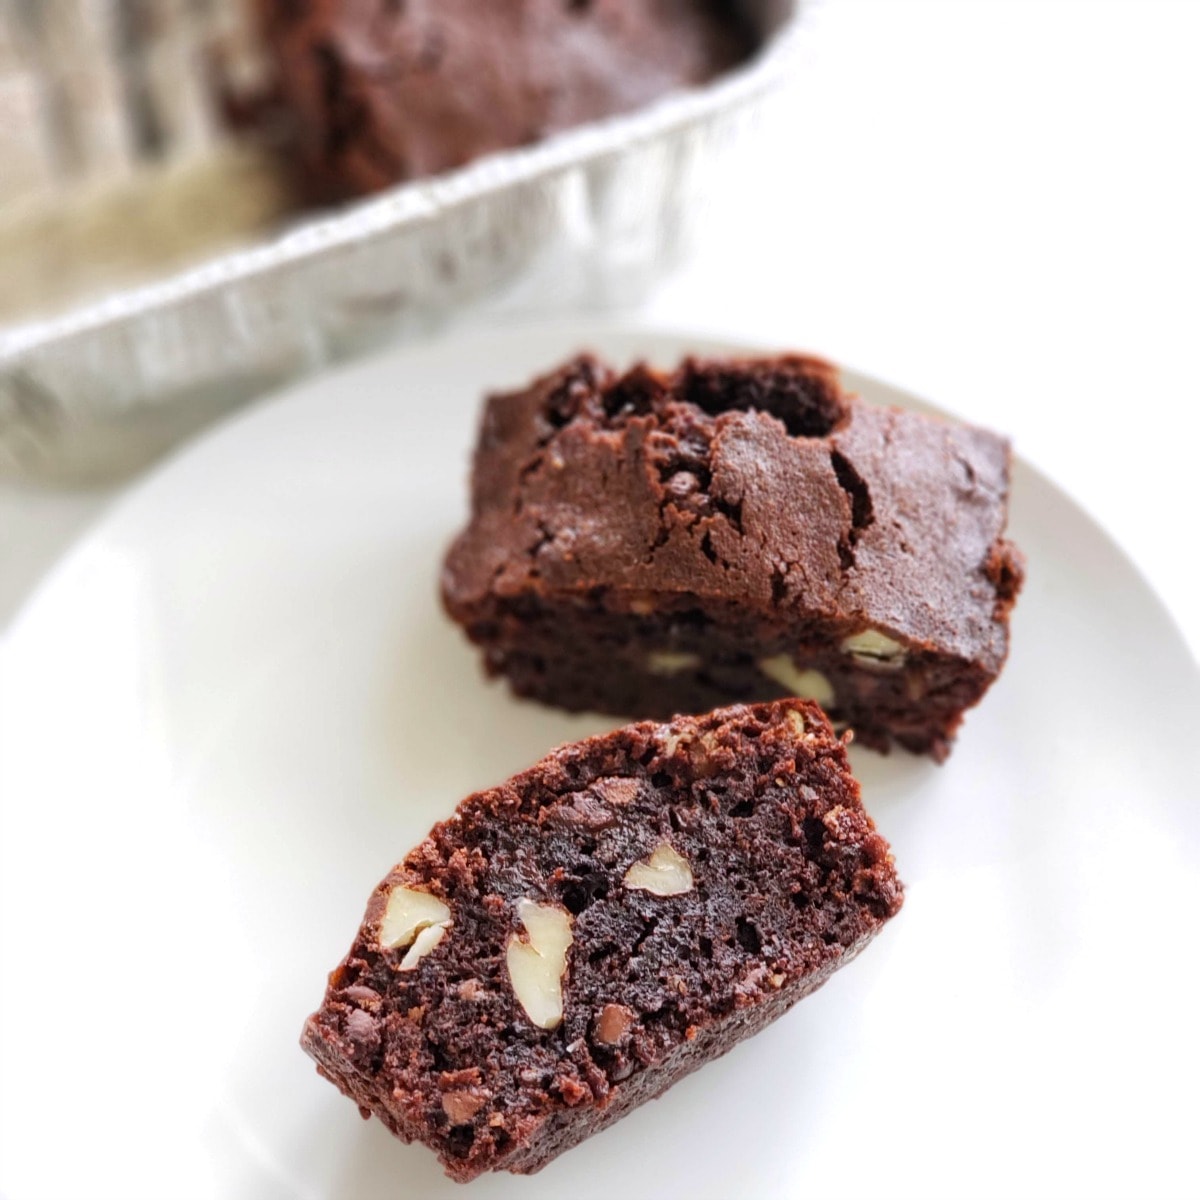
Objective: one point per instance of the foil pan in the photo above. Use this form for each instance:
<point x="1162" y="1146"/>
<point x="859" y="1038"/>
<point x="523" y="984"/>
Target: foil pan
<point x="588" y="219"/>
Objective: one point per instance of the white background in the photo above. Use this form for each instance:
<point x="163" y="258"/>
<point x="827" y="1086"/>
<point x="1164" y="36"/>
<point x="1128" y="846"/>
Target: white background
<point x="994" y="204"/>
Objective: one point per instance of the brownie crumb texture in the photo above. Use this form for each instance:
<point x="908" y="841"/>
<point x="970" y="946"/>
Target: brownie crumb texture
<point x="569" y="944"/>
<point x="650" y="543"/>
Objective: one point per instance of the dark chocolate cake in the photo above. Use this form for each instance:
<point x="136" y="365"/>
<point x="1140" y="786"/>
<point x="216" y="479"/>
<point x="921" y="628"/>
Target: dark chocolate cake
<point x="652" y="543"/>
<point x="569" y="944"/>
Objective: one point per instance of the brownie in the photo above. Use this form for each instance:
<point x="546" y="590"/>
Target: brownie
<point x="381" y="92"/>
<point x="569" y="944"/>
<point x="652" y="543"/>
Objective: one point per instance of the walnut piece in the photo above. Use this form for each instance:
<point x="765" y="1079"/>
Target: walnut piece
<point x="796" y="720"/>
<point x="416" y="919"/>
<point x="806" y="685"/>
<point x="664" y="873"/>
<point x="423" y="944"/>
<point x="537" y="964"/>
<point x="671" y="662"/>
<point x="875" y="649"/>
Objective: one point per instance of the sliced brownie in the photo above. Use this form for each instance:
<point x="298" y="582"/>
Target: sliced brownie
<point x="653" y="543"/>
<point x="569" y="944"/>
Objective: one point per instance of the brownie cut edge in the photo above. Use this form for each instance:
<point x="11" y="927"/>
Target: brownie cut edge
<point x="568" y="945"/>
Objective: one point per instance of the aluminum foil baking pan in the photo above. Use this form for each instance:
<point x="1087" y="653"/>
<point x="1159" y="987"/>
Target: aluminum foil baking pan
<point x="587" y="219"/>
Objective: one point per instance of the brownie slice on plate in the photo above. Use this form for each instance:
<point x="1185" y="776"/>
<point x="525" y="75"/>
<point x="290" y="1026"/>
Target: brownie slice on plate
<point x="653" y="543"/>
<point x="569" y="944"/>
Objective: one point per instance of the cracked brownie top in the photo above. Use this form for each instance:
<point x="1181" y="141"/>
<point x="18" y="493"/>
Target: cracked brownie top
<point x="757" y="486"/>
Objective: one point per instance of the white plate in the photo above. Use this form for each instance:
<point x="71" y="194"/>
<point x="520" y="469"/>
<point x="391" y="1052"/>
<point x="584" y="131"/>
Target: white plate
<point x="236" y="703"/>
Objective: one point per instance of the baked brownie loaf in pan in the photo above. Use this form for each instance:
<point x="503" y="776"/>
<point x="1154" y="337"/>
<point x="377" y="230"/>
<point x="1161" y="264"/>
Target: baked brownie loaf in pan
<point x="652" y="543"/>
<point x="379" y="94"/>
<point x="569" y="944"/>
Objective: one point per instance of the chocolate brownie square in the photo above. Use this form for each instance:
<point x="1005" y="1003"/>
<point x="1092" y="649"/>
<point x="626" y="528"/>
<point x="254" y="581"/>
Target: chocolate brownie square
<point x="650" y="543"/>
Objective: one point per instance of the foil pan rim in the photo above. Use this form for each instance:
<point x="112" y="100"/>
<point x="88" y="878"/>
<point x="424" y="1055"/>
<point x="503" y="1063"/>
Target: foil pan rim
<point x="411" y="204"/>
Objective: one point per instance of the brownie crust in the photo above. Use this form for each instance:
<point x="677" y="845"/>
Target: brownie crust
<point x="776" y="877"/>
<point x="378" y="93"/>
<point x="652" y="543"/>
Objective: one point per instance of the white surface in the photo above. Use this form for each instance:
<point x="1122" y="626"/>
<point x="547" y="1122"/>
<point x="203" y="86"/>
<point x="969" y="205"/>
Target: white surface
<point x="36" y="526"/>
<point x="237" y="703"/>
